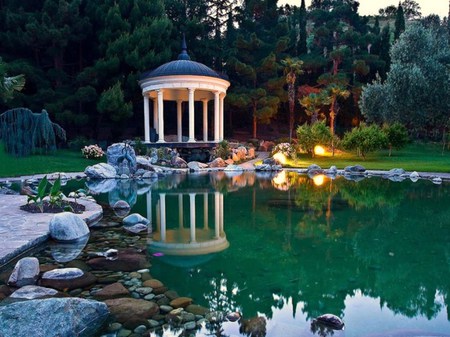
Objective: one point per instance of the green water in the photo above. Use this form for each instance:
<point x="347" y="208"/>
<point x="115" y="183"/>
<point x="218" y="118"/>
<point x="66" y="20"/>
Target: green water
<point x="375" y="253"/>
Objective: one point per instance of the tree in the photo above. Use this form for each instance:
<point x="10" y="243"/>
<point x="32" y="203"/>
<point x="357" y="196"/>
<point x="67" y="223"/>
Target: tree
<point x="313" y="104"/>
<point x="397" y="136"/>
<point x="302" y="48"/>
<point x="364" y="139"/>
<point x="292" y="68"/>
<point x="334" y="92"/>
<point x="399" y="22"/>
<point x="411" y="10"/>
<point x="8" y="85"/>
<point x="310" y="135"/>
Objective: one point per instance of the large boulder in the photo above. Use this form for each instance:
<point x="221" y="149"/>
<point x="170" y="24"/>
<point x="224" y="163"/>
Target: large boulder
<point x="53" y="317"/>
<point x="67" y="226"/>
<point x="100" y="171"/>
<point x="178" y="162"/>
<point x="125" y="309"/>
<point x="98" y="186"/>
<point x="125" y="262"/>
<point x="26" y="272"/>
<point x="197" y="166"/>
<point x="134" y="219"/>
<point x="218" y="162"/>
<point x="65" y="282"/>
<point x="122" y="157"/>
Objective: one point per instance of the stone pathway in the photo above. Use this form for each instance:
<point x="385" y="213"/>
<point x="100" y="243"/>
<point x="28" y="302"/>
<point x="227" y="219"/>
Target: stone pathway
<point x="249" y="165"/>
<point x="21" y="231"/>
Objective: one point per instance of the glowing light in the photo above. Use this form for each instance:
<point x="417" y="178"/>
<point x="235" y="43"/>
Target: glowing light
<point x="280" y="181"/>
<point x="319" y="179"/>
<point x="280" y="157"/>
<point x="319" y="150"/>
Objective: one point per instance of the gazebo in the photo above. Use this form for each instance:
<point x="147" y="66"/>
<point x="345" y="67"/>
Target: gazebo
<point x="183" y="80"/>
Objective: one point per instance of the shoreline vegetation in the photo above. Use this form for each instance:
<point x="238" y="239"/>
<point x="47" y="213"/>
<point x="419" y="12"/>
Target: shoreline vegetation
<point x="420" y="157"/>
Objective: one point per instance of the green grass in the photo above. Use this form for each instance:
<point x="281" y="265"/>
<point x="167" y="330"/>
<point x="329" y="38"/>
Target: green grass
<point x="424" y="157"/>
<point x="60" y="161"/>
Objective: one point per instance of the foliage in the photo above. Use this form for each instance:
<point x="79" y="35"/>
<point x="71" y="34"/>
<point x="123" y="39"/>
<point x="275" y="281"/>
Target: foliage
<point x="24" y="132"/>
<point x="397" y="136"/>
<point x="54" y="195"/>
<point x="313" y="104"/>
<point x="112" y="102"/>
<point x="8" y="85"/>
<point x="310" y="135"/>
<point x="364" y="139"/>
<point x="139" y="146"/>
<point x="92" y="151"/>
<point x="38" y="198"/>
<point x="222" y="150"/>
<point x="285" y="148"/>
<point x="399" y="21"/>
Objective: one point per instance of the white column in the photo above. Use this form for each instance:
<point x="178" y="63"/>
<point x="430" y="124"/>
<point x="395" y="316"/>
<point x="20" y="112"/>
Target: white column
<point x="192" y="214"/>
<point x="221" y="213"/>
<point x="162" y="206"/>
<point x="221" y="123"/>
<point x="180" y="210"/>
<point x="216" y="116"/>
<point x="146" y="119"/>
<point x="205" y="210"/>
<point x="191" y="115"/>
<point x="216" y="214"/>
<point x="205" y="120"/>
<point x="160" y="116"/>
<point x="155" y="114"/>
<point x="179" y="120"/>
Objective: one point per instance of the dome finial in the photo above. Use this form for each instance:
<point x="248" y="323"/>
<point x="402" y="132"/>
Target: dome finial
<point x="184" y="55"/>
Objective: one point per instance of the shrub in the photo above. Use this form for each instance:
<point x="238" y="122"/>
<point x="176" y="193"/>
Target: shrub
<point x="365" y="139"/>
<point x="92" y="151"/>
<point x="222" y="150"/>
<point x="397" y="136"/>
<point x="139" y="146"/>
<point x="309" y="136"/>
<point x="285" y="148"/>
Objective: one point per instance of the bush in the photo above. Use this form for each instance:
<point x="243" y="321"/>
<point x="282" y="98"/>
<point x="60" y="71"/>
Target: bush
<point x="222" y="150"/>
<point x="92" y="151"/>
<point x="397" y="136"/>
<point x="285" y="148"/>
<point x="309" y="136"/>
<point x="365" y="139"/>
<point x="139" y="146"/>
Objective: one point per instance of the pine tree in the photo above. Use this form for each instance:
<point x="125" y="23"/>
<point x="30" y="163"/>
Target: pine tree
<point x="399" y="21"/>
<point x="302" y="48"/>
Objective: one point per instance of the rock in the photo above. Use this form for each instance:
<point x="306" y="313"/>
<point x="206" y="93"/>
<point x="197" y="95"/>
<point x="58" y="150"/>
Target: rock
<point x="241" y="152"/>
<point x="396" y="172"/>
<point x="254" y="327"/>
<point x="215" y="316"/>
<point x="355" y="169"/>
<point x="171" y="294"/>
<point x="100" y="171"/>
<point x="270" y="161"/>
<point x="332" y="171"/>
<point x="314" y="169"/>
<point x="178" y="162"/>
<point x="33" y="292"/>
<point x="196" y="166"/>
<point x="153" y="283"/>
<point x="98" y="186"/>
<point x="53" y="317"/>
<point x="235" y="168"/>
<point x="121" y="205"/>
<point x="114" y="290"/>
<point x="68" y="251"/>
<point x="217" y="163"/>
<point x="64" y="284"/>
<point x="122" y="157"/>
<point x="67" y="226"/>
<point x="63" y="274"/>
<point x="150" y="176"/>
<point x="329" y="320"/>
<point x="233" y="316"/>
<point x="437" y="180"/>
<point x="190" y="325"/>
<point x="196" y="309"/>
<point x="143" y="162"/>
<point x="125" y="262"/>
<point x="125" y="309"/>
<point x="414" y="176"/>
<point x="180" y="302"/>
<point x="263" y="167"/>
<point x="136" y="228"/>
<point x="25" y="272"/>
<point x="134" y="219"/>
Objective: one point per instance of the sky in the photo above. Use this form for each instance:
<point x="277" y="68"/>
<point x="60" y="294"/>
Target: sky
<point x="371" y="7"/>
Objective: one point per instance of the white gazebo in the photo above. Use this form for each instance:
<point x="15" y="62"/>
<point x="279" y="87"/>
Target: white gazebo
<point x="181" y="81"/>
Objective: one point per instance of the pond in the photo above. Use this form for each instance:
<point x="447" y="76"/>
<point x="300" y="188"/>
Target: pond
<point x="289" y="248"/>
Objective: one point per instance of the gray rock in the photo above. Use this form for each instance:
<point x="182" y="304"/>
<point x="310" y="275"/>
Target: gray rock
<point x="235" y="168"/>
<point x="63" y="274"/>
<point x="270" y="161"/>
<point x="32" y="292"/>
<point x="100" y="171"/>
<point x="68" y="251"/>
<point x="437" y="180"/>
<point x="314" y="169"/>
<point x="329" y="320"/>
<point x="190" y="325"/>
<point x="122" y="157"/>
<point x="134" y="219"/>
<point x="414" y="176"/>
<point x="101" y="185"/>
<point x="150" y="175"/>
<point x="355" y="169"/>
<point x="121" y="204"/>
<point x="263" y="167"/>
<point x="178" y="162"/>
<point x="218" y="162"/>
<point x="197" y="166"/>
<point x="136" y="228"/>
<point x="67" y="226"/>
<point x="53" y="317"/>
<point x="396" y="172"/>
<point x="143" y="162"/>
<point x="26" y="272"/>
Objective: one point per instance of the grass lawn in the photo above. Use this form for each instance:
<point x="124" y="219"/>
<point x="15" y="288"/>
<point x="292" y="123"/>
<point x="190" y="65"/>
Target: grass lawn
<point x="60" y="161"/>
<point x="424" y="157"/>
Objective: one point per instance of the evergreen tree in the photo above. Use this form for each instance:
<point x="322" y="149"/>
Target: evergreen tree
<point x="302" y="49"/>
<point x="399" y="22"/>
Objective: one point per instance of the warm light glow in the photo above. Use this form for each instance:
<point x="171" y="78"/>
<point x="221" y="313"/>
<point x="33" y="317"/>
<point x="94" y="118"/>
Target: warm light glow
<point x="280" y="157"/>
<point x="319" y="179"/>
<point x="319" y="150"/>
<point x="280" y="181"/>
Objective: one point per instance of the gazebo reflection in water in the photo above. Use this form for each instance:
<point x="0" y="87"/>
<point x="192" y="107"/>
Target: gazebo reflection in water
<point x="188" y="225"/>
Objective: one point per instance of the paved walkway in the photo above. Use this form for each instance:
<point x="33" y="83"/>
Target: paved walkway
<point x="21" y="231"/>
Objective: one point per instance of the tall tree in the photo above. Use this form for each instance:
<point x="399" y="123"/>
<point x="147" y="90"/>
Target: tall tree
<point x="292" y="68"/>
<point x="399" y="21"/>
<point x="301" y="48"/>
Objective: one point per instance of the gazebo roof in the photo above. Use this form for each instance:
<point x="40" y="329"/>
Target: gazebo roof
<point x="183" y="66"/>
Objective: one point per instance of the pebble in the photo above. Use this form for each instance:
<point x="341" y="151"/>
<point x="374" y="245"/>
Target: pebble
<point x="135" y="295"/>
<point x="149" y="297"/>
<point x="144" y="290"/>
<point x="114" y="326"/>
<point x="165" y="308"/>
<point x="140" y="329"/>
<point x="190" y="325"/>
<point x="135" y="275"/>
<point x="141" y="271"/>
<point x="75" y="292"/>
<point x="124" y="333"/>
<point x="153" y="323"/>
